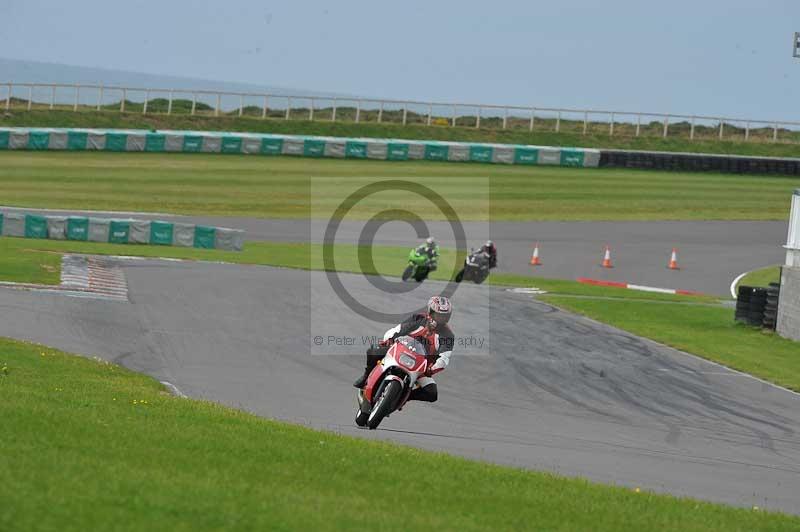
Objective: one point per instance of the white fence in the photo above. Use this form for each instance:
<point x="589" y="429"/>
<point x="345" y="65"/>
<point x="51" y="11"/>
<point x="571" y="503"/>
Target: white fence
<point x="406" y="112"/>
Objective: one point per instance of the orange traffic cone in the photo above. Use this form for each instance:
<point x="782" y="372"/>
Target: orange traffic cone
<point x="607" y="259"/>
<point x="673" y="260"/>
<point x="535" y="257"/>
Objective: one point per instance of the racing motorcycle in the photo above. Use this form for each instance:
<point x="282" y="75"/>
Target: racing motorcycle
<point x="390" y="382"/>
<point x="476" y="267"/>
<point x="419" y="266"/>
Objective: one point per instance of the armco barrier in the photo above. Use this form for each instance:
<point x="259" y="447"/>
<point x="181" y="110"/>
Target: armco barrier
<point x="117" y="231"/>
<point x="699" y="162"/>
<point x="307" y="146"/>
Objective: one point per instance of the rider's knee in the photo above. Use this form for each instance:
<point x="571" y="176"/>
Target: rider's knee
<point x="429" y="393"/>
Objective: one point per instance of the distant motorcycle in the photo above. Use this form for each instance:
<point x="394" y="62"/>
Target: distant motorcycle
<point x="390" y="382"/>
<point x="419" y="266"/>
<point x="476" y="267"/>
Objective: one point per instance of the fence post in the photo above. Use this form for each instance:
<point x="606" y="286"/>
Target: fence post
<point x="747" y="132"/>
<point x="585" y="121"/>
<point x="333" y="114"/>
<point x="77" y="97"/>
<point x="358" y="111"/>
<point x="453" y="122"/>
<point x="774" y="132"/>
<point x="264" y="108"/>
<point x="558" y="121"/>
<point x="194" y="102"/>
<point x="169" y="103"/>
<point x="505" y="117"/>
<point x="100" y="98"/>
<point x="691" y="130"/>
<point x="288" y="108"/>
<point x="405" y="114"/>
<point x="311" y="111"/>
<point x="430" y="112"/>
<point x="146" y="98"/>
<point x="638" y="123"/>
<point x="666" y="126"/>
<point x="124" y="97"/>
<point x="380" y="113"/>
<point x="241" y="104"/>
<point x="720" y="128"/>
<point x="53" y="97"/>
<point x="533" y="118"/>
<point x="478" y="118"/>
<point x="611" y="127"/>
<point x="8" y="97"/>
<point x="219" y="104"/>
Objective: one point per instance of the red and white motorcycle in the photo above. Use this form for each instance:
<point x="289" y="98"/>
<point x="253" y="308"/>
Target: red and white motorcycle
<point x="390" y="382"/>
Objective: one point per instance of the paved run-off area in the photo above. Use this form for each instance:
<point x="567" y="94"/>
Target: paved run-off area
<point x="556" y="392"/>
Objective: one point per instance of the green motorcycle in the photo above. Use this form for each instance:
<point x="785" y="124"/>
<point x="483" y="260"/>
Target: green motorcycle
<point x="419" y="265"/>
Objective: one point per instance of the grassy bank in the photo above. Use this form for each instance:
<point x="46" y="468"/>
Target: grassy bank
<point x="280" y="187"/>
<point x="91" y="446"/>
<point x="37" y="261"/>
<point x="544" y="135"/>
<point x="706" y="331"/>
<point x="761" y="277"/>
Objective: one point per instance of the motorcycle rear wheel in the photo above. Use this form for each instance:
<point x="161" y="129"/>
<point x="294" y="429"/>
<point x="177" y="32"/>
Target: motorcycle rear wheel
<point x="385" y="404"/>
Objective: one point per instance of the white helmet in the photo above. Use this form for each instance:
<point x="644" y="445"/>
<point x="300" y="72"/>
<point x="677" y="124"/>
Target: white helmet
<point x="430" y="240"/>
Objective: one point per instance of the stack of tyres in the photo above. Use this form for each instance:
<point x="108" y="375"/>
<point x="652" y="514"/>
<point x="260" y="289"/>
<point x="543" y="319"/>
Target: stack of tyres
<point x="758" y="301"/>
<point x="771" y="308"/>
<point x="743" y="303"/>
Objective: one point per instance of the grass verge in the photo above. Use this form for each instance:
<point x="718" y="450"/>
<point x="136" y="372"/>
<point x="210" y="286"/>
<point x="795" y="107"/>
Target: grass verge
<point x="570" y="135"/>
<point x="761" y="277"/>
<point x="38" y="255"/>
<point x="88" y="445"/>
<point x="280" y="187"/>
<point x="706" y="331"/>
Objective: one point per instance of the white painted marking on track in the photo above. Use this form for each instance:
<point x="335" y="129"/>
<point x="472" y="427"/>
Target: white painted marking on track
<point x="735" y="282"/>
<point x="7" y="207"/>
<point x="174" y="389"/>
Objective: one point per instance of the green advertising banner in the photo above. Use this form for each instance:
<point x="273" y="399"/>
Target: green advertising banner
<point x="77" y="228"/>
<point x="355" y="149"/>
<point x="526" y="156"/>
<point x="116" y="141"/>
<point x="38" y="140"/>
<point x="480" y="154"/>
<point x="4" y="135"/>
<point x="313" y="148"/>
<point x="271" y="146"/>
<point x="397" y="152"/>
<point x="1" y="223"/>
<point x="436" y="152"/>
<point x="161" y="233"/>
<point x="204" y="237"/>
<point x="35" y="226"/>
<point x="119" y="231"/>
<point x="154" y="142"/>
<point x="571" y="157"/>
<point x="76" y="140"/>
<point x="231" y="144"/>
<point x="192" y="143"/>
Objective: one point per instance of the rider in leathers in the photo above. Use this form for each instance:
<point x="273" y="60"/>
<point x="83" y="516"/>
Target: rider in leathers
<point x="432" y="330"/>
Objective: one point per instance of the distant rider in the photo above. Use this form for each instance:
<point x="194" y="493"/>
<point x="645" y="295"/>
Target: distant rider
<point x="432" y="330"/>
<point x="490" y="249"/>
<point x="430" y="249"/>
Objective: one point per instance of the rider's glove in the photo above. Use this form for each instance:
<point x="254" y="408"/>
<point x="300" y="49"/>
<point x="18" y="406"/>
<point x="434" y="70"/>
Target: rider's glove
<point x="430" y="324"/>
<point x="429" y="370"/>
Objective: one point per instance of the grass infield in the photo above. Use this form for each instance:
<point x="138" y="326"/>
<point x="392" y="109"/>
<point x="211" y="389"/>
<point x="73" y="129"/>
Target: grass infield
<point x="88" y="445"/>
<point x="280" y="187"/>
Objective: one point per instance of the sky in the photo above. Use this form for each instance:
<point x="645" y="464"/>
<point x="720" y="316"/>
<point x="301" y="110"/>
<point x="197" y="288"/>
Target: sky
<point x="710" y="57"/>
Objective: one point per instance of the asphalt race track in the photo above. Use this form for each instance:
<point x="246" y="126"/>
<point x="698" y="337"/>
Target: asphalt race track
<point x="710" y="254"/>
<point x="554" y="391"/>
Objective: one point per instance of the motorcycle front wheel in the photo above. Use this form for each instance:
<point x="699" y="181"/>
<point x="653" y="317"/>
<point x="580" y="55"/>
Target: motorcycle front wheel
<point x="386" y="402"/>
<point x="407" y="272"/>
<point x="460" y="276"/>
